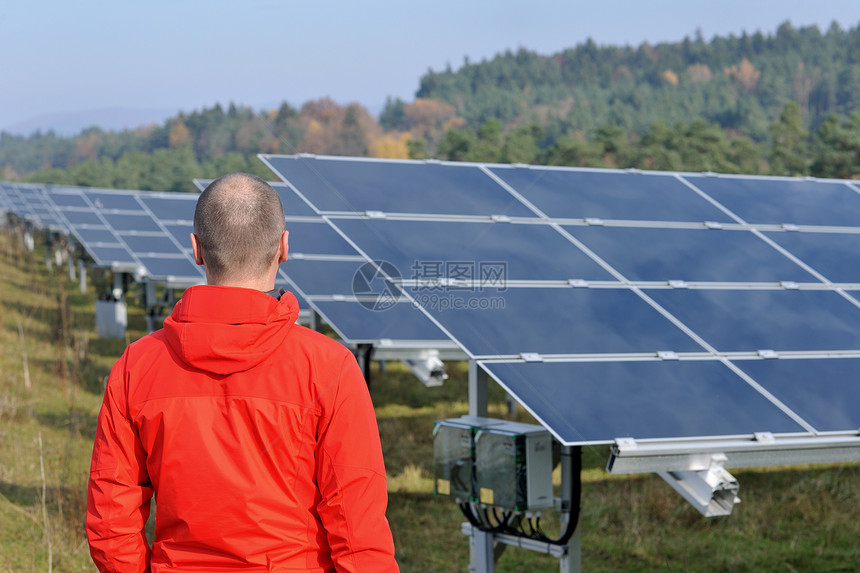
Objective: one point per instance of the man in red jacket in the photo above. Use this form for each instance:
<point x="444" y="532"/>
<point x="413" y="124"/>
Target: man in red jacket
<point x="256" y="435"/>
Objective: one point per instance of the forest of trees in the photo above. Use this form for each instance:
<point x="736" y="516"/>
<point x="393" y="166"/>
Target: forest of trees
<point x="786" y="103"/>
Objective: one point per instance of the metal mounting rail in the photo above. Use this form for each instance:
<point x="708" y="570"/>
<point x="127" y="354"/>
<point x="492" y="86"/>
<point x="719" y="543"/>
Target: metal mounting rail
<point x="764" y="449"/>
<point x="556" y="551"/>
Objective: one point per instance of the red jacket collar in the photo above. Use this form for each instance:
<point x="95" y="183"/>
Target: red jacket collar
<point x="228" y="329"/>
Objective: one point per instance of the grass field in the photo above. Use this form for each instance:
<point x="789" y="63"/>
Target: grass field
<point x="52" y="367"/>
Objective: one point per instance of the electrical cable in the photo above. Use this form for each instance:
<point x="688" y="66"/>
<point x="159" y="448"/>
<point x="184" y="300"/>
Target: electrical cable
<point x="480" y="517"/>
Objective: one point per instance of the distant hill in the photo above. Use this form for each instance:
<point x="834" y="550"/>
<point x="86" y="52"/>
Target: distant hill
<point x="742" y="83"/>
<point x="107" y="119"/>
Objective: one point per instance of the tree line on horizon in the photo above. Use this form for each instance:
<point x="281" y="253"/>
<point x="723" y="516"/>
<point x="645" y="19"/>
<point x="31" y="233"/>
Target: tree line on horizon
<point x="781" y="104"/>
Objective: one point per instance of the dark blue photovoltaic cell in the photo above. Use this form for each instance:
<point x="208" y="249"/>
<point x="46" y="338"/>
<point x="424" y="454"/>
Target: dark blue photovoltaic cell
<point x="752" y="320"/>
<point x="104" y="256"/>
<point x="589" y="402"/>
<point x="433" y="249"/>
<point x="401" y="187"/>
<point x="357" y="323"/>
<point x="139" y="244"/>
<point x="609" y="195"/>
<point x="181" y="232"/>
<point x="78" y="218"/>
<point x="294" y="206"/>
<point x="317" y="239"/>
<point x="784" y="201"/>
<point x="647" y="254"/>
<point x="553" y="321"/>
<point x="105" y="201"/>
<point x="824" y="392"/>
<point x="323" y="277"/>
<point x="166" y="208"/>
<point x="162" y="267"/>
<point x="834" y="255"/>
<point x="90" y="236"/>
<point x="131" y="222"/>
<point x="66" y="199"/>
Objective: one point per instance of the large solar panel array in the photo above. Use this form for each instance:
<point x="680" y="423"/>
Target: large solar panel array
<point x="138" y="232"/>
<point x="617" y="304"/>
<point x="29" y="201"/>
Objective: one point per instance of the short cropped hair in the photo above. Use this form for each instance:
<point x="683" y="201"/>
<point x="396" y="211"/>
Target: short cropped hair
<point x="238" y="221"/>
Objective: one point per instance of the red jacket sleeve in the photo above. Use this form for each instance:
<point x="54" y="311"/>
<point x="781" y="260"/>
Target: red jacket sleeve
<point x="119" y="490"/>
<point x="351" y="477"/>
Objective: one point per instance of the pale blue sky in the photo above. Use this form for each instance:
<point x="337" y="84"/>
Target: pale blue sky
<point x="59" y="56"/>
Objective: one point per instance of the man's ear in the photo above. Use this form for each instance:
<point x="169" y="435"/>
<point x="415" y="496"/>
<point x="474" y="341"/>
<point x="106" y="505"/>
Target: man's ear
<point x="195" y="250"/>
<point x="283" y="247"/>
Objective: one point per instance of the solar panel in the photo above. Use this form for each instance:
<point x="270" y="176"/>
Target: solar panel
<point x="426" y="249"/>
<point x="403" y="187"/>
<point x="812" y="387"/>
<point x="700" y="255"/>
<point x="606" y="194"/>
<point x="735" y="320"/>
<point x="645" y="399"/>
<point x="781" y="201"/>
<point x="835" y="256"/>
<point x="648" y="305"/>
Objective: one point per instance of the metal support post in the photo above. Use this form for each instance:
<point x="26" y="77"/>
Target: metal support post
<point x="48" y="248"/>
<point x="71" y="263"/>
<point x="512" y="404"/>
<point x="481" y="549"/>
<point x="481" y="542"/>
<point x="571" y="562"/>
<point x="82" y="274"/>
<point x="478" y="386"/>
<point x="150" y="304"/>
<point x="118" y="291"/>
<point x="316" y="321"/>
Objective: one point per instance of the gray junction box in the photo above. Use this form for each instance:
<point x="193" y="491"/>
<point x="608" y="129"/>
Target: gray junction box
<point x="513" y="466"/>
<point x="494" y="462"/>
<point x="454" y="455"/>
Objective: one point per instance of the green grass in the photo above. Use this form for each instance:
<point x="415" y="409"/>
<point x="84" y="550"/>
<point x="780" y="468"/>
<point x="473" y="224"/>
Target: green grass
<point x="792" y="519"/>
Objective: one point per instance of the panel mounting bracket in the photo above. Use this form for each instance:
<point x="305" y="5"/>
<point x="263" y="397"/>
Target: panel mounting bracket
<point x="712" y="491"/>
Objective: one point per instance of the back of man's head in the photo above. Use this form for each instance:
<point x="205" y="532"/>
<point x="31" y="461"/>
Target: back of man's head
<point x="238" y="221"/>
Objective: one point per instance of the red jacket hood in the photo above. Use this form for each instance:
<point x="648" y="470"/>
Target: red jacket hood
<point x="228" y="329"/>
